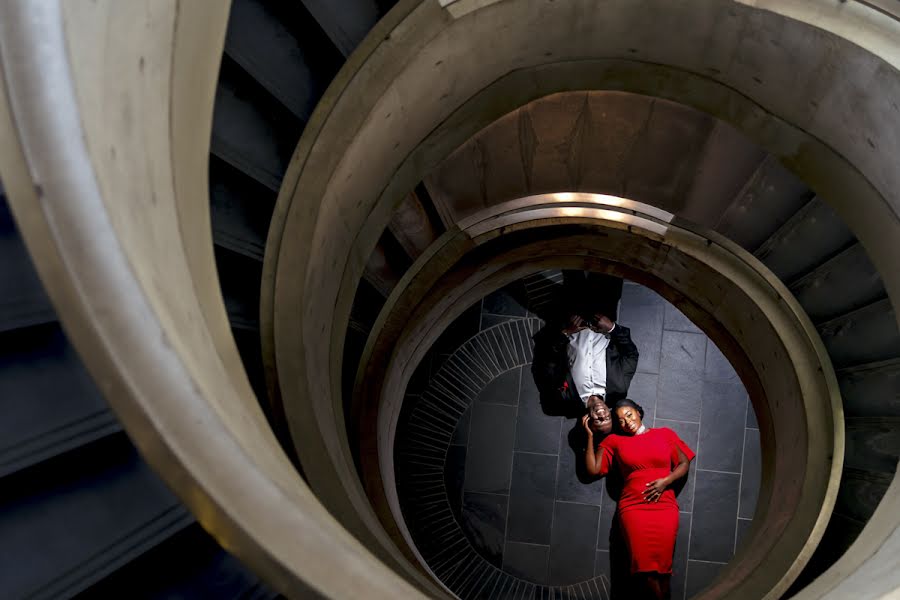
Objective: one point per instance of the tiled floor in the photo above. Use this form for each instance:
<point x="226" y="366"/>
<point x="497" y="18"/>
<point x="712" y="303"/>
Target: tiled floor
<point x="511" y="475"/>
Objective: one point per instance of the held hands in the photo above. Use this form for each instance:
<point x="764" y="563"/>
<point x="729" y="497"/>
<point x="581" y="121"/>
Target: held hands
<point x="655" y="489"/>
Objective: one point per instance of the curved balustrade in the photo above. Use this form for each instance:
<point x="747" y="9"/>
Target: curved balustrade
<point x="107" y="111"/>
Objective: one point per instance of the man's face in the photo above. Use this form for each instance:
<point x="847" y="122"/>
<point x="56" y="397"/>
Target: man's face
<point x="600" y="419"/>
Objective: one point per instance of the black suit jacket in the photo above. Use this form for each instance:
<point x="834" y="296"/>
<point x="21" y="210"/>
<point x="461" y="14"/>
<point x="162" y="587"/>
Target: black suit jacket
<point x="551" y="363"/>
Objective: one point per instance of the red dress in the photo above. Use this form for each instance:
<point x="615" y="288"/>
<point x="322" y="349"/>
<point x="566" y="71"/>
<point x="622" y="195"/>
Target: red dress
<point x="649" y="528"/>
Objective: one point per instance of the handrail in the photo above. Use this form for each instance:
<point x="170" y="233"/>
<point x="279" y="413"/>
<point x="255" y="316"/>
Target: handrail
<point x="890" y="8"/>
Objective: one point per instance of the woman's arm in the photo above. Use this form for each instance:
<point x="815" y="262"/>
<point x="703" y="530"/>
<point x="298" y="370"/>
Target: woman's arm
<point x="592" y="461"/>
<point x="656" y="488"/>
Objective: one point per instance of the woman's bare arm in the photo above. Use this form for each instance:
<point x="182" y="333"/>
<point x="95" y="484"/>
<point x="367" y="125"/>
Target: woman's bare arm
<point x="591" y="459"/>
<point x="654" y="489"/>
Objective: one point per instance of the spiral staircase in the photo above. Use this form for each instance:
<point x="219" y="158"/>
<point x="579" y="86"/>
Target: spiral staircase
<point x="83" y="513"/>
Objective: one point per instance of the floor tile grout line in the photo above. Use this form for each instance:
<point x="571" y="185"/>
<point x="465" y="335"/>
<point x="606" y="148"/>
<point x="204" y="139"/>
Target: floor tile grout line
<point x="480" y="313"/>
<point x="488" y="353"/>
<point x="740" y="480"/>
<point x="720" y="472"/>
<point x="485" y="340"/>
<point x="487" y="493"/>
<point x="496" y="314"/>
<point x="457" y="382"/>
<point x="694" y="490"/>
<point x="468" y="441"/>
<point x="460" y="366"/>
<point x="597" y="506"/>
<point x="490" y="575"/>
<point x="507" y="335"/>
<point x="519" y="330"/>
<point x="446" y="392"/>
<point x="512" y="465"/>
<point x="661" y="336"/>
<point x="503" y="347"/>
<point x="527" y="543"/>
<point x="473" y="356"/>
<point x="500" y="343"/>
<point x="555" y="485"/>
<point x="535" y="453"/>
<point x="482" y="580"/>
<point x="708" y="562"/>
<point x="599" y="521"/>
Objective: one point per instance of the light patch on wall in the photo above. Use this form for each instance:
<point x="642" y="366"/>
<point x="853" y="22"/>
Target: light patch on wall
<point x="458" y="8"/>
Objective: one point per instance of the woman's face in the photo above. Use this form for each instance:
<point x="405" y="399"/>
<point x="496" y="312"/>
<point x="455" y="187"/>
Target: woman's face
<point x="629" y="420"/>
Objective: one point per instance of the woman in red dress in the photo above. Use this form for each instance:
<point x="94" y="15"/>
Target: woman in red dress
<point x="650" y="461"/>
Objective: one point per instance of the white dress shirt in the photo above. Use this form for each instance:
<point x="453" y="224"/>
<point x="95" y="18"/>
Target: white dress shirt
<point x="587" y="362"/>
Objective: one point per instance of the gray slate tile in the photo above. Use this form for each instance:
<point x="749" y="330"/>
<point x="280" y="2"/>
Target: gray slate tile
<point x="743" y="526"/>
<point x="484" y="523"/>
<point x="723" y="415"/>
<point x="572" y="482"/>
<point x="535" y="431"/>
<point x="751" y="416"/>
<point x="531" y="498"/>
<point x="643" y="390"/>
<point x="717" y="367"/>
<point x="572" y="553"/>
<point x="454" y="476"/>
<point x="714" y="514"/>
<point x="699" y="576"/>
<point x="642" y="310"/>
<point x="681" y="376"/>
<point x="527" y="561"/>
<point x="491" y="441"/>
<point x="505" y="301"/>
<point x="679" y="562"/>
<point x="675" y="320"/>
<point x="503" y="389"/>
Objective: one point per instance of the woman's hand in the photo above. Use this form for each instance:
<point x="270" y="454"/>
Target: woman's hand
<point x="585" y="422"/>
<point x="655" y="489"/>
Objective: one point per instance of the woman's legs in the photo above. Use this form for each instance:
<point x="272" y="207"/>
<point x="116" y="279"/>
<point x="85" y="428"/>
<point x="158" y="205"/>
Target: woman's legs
<point x="655" y="586"/>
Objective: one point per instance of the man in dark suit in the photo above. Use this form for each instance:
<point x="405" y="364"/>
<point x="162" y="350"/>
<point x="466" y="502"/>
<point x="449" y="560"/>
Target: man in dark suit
<point x="590" y="355"/>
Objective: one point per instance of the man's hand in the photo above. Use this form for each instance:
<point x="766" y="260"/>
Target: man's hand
<point x="576" y="324"/>
<point x="603" y="324"/>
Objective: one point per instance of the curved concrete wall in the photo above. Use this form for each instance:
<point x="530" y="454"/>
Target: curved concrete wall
<point x="108" y="110"/>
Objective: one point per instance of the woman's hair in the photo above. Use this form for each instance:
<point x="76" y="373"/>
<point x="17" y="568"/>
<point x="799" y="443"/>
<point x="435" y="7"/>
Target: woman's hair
<point x="631" y="404"/>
